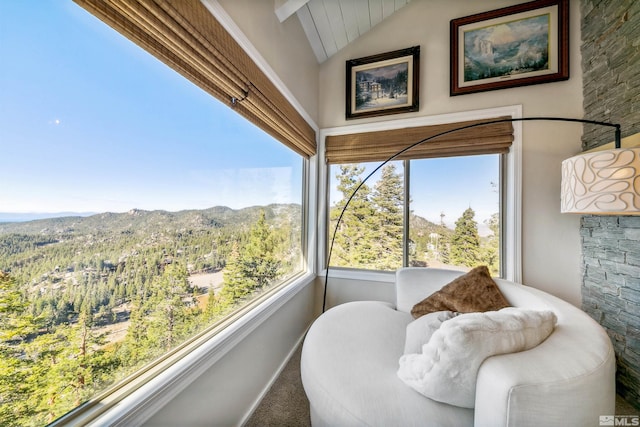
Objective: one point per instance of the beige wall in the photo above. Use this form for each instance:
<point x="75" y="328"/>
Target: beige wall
<point x="550" y="240"/>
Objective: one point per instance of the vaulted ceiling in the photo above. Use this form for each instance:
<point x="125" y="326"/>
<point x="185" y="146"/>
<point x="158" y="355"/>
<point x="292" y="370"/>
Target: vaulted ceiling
<point x="330" y="25"/>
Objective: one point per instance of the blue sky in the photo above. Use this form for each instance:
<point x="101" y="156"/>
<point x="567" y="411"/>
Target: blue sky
<point x="89" y="122"/>
<point x="451" y="185"/>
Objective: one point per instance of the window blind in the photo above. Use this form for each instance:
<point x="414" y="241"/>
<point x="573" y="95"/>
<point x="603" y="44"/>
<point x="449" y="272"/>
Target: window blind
<point x="494" y="138"/>
<point x="184" y="35"/>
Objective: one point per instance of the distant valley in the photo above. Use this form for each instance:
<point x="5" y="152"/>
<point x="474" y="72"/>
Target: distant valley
<point x="31" y="216"/>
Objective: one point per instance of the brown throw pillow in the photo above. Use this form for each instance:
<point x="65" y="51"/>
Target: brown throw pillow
<point x="473" y="292"/>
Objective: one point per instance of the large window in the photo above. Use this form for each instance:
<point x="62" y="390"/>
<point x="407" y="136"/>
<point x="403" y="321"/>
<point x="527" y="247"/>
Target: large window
<point x="439" y="212"/>
<point x="136" y="211"/>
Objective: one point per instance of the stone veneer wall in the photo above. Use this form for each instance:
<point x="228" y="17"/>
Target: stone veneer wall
<point x="611" y="290"/>
<point x="611" y="244"/>
<point x="610" y="67"/>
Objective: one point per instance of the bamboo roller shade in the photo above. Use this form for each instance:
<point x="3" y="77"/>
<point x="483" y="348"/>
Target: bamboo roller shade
<point x="184" y="35"/>
<point x="494" y="138"/>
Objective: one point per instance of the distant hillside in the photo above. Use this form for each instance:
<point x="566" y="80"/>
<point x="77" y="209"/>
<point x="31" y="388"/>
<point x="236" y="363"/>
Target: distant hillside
<point x="137" y="220"/>
<point x="30" y="216"/>
<point x="54" y="253"/>
<point x="423" y="227"/>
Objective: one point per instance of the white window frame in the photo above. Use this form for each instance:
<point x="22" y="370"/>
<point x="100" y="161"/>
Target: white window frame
<point x="512" y="204"/>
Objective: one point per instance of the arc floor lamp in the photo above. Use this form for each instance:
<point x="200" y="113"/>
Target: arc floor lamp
<point x="602" y="183"/>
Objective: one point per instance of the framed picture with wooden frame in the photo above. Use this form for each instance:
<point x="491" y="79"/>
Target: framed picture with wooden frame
<point x="514" y="46"/>
<point x="382" y="84"/>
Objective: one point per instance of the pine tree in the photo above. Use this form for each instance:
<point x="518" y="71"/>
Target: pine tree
<point x="135" y="344"/>
<point x="255" y="267"/>
<point x="160" y="317"/>
<point x="356" y="235"/>
<point x="445" y="249"/>
<point x="491" y="248"/>
<point x="67" y="366"/>
<point x="15" y="370"/>
<point x="236" y="284"/>
<point x="260" y="260"/>
<point x="214" y="307"/>
<point x="47" y="380"/>
<point x="13" y="323"/>
<point x="465" y="241"/>
<point x="168" y="306"/>
<point x="388" y="200"/>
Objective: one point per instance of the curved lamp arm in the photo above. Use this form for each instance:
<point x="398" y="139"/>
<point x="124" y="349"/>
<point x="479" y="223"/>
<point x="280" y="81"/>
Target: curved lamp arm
<point x="422" y="141"/>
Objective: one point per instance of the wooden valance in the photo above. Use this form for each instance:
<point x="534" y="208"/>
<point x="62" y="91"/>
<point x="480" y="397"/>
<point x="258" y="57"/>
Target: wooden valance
<point x="494" y="138"/>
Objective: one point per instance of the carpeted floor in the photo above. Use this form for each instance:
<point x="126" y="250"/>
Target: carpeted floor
<point x="285" y="404"/>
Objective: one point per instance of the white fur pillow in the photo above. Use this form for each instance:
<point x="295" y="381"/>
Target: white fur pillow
<point x="420" y="330"/>
<point x="447" y="368"/>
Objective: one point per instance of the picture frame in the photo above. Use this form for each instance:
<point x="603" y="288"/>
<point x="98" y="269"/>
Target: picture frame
<point x="382" y="84"/>
<point x="514" y="46"/>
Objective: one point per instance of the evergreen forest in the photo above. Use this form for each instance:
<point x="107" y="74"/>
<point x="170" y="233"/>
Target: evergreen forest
<point x="370" y="231"/>
<point x="86" y="301"/>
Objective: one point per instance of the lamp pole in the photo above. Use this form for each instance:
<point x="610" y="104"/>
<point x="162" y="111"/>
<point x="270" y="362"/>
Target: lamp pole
<point x="432" y="137"/>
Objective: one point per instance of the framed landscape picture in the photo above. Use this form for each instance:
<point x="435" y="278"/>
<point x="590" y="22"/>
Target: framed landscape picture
<point x="382" y="84"/>
<point x="514" y="46"/>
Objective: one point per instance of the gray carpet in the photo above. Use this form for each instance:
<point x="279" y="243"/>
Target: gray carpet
<point x="285" y="404"/>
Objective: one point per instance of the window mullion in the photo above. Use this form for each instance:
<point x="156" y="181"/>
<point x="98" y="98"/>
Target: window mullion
<point x="502" y="188"/>
<point x="407" y="214"/>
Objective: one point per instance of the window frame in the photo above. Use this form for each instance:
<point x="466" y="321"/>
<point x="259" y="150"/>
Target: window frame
<point x="137" y="398"/>
<point x="510" y="181"/>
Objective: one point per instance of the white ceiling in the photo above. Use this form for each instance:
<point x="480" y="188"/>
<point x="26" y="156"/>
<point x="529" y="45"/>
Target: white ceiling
<point x="332" y="24"/>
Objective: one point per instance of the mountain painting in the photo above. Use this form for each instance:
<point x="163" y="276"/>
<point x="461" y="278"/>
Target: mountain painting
<point x="507" y="49"/>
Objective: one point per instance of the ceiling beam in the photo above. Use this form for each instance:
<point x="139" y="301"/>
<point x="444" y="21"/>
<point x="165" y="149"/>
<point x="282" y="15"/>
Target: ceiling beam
<point x="286" y="8"/>
<point x="309" y="27"/>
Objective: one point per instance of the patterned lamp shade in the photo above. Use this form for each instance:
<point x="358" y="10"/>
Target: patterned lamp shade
<point x="602" y="183"/>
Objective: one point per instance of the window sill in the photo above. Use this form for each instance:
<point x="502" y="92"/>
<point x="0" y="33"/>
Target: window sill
<point x="361" y="274"/>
